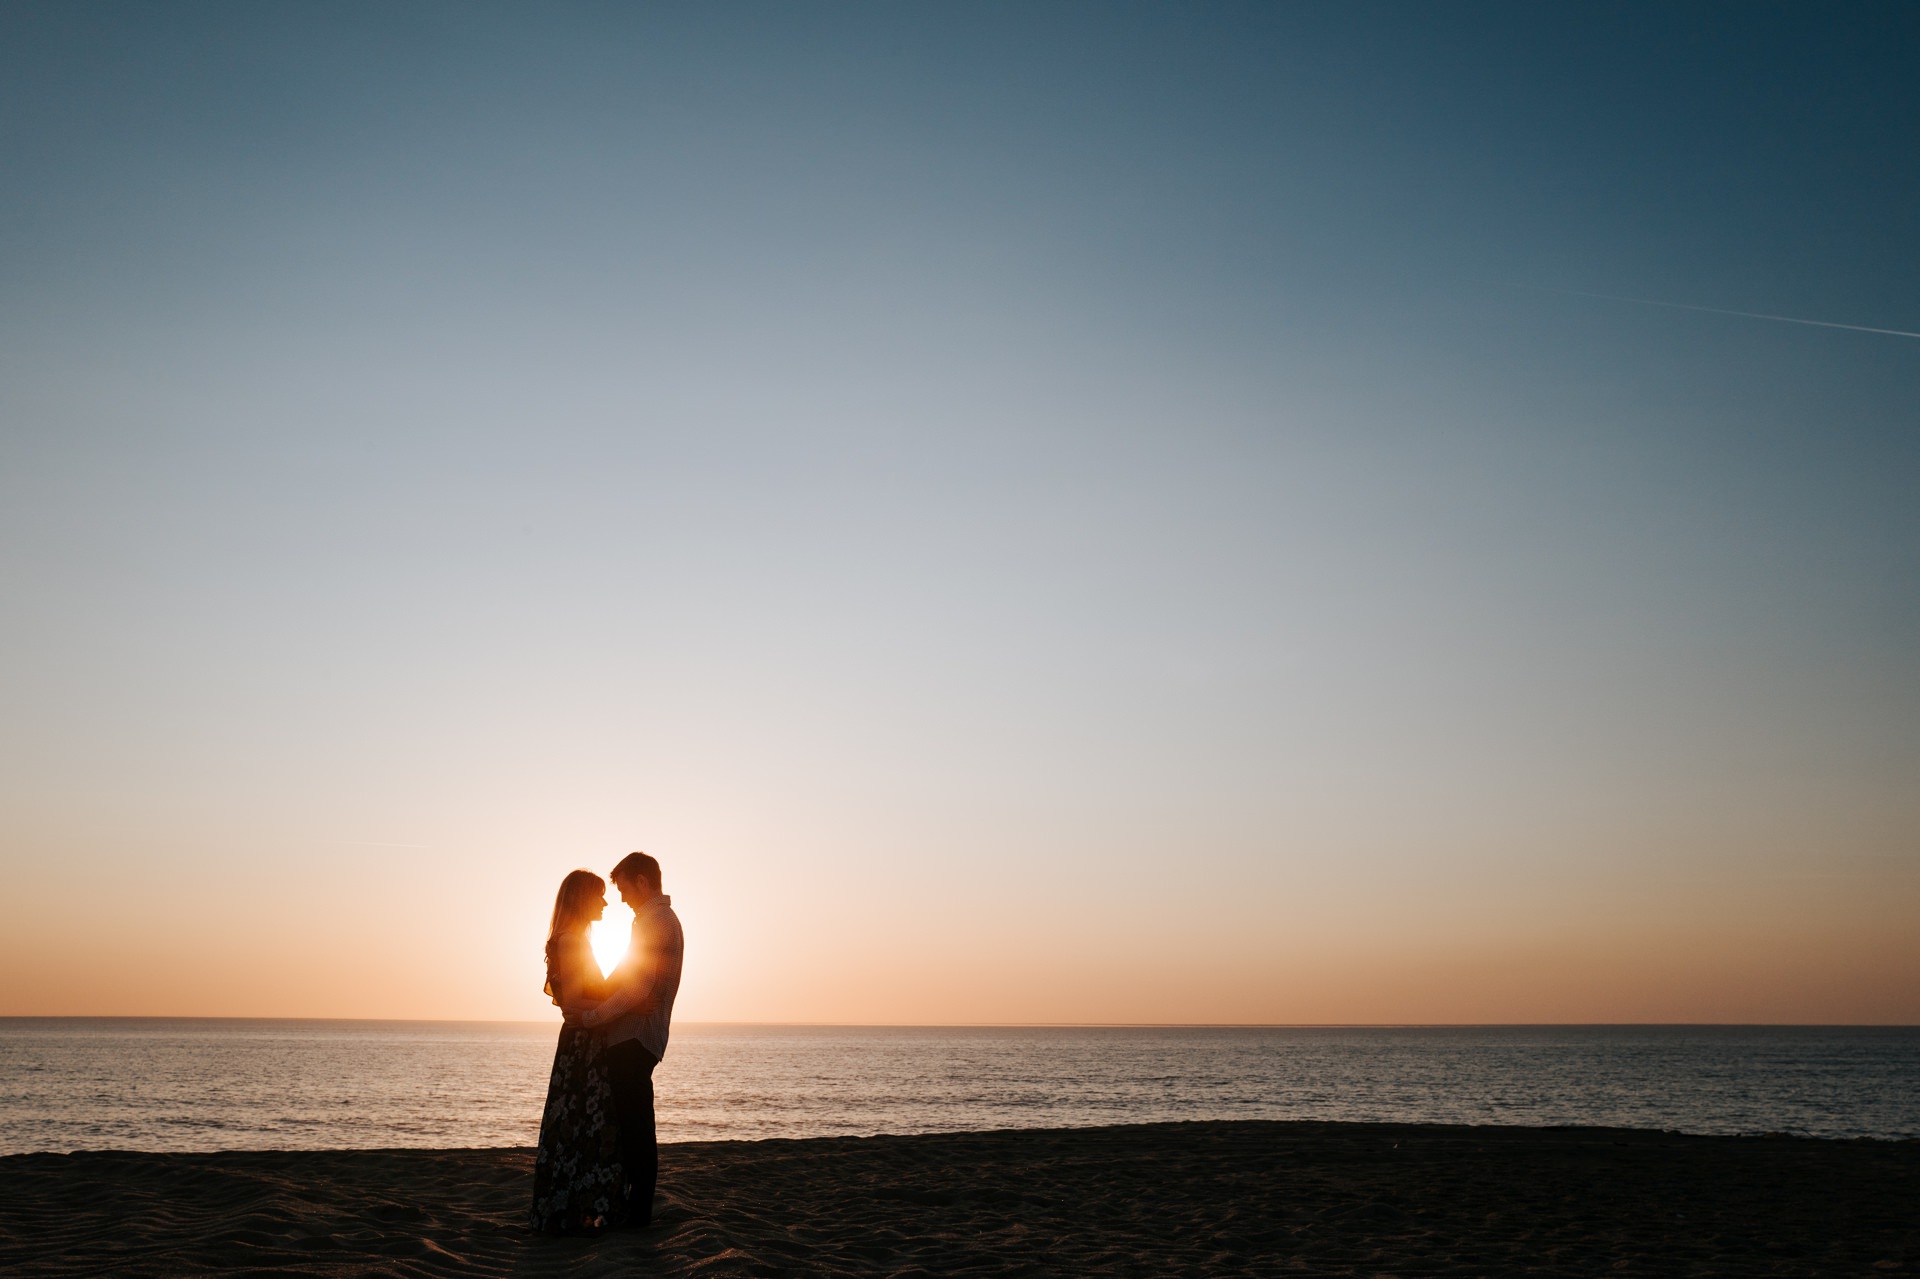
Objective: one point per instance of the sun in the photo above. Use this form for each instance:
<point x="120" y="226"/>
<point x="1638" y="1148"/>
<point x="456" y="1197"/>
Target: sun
<point x="608" y="937"/>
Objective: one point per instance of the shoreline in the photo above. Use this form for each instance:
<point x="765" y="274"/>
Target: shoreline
<point x="1195" y="1198"/>
<point x="1148" y="1125"/>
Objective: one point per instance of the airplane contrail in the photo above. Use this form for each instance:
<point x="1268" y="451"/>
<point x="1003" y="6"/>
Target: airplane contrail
<point x="1715" y="310"/>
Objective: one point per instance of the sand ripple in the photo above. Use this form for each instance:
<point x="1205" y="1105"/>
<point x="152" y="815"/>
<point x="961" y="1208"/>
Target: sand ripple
<point x="1150" y="1200"/>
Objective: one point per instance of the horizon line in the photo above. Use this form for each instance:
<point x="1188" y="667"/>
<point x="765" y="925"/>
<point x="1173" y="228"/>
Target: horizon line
<point x="1010" y="1025"/>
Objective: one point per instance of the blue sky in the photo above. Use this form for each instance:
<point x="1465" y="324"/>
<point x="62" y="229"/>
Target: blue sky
<point x="1053" y="473"/>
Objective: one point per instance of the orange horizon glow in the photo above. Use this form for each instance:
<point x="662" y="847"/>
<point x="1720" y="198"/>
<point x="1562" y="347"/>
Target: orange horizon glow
<point x="1845" y="955"/>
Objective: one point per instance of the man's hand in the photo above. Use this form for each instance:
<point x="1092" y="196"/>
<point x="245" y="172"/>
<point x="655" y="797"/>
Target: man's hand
<point x="590" y="1018"/>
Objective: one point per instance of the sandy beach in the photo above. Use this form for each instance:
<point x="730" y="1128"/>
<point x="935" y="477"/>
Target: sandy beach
<point x="1169" y="1199"/>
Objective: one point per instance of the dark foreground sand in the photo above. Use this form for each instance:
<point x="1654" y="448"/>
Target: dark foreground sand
<point x="1168" y="1199"/>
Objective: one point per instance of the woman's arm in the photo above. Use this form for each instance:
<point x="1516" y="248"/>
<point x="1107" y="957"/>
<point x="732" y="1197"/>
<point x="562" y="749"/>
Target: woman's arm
<point x="577" y="983"/>
<point x="577" y="997"/>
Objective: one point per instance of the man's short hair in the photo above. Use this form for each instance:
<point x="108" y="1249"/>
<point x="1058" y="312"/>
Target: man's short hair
<point x="637" y="866"/>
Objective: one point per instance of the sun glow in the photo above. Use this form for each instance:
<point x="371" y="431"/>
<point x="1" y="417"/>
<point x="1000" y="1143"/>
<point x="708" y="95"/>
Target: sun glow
<point x="608" y="937"/>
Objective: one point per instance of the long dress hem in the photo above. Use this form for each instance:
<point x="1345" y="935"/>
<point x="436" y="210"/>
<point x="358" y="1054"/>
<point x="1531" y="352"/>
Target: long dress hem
<point x="578" y="1182"/>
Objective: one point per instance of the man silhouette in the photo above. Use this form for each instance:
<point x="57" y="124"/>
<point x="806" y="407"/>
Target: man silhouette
<point x="637" y="1016"/>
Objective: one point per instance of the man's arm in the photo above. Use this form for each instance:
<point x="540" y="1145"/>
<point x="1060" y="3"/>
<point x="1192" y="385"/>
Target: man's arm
<point x="631" y="994"/>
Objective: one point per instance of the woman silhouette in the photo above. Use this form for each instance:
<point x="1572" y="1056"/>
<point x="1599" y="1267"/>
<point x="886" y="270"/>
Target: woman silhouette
<point x="578" y="1184"/>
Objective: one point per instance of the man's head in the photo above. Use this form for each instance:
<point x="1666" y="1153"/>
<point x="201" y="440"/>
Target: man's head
<point x="638" y="879"/>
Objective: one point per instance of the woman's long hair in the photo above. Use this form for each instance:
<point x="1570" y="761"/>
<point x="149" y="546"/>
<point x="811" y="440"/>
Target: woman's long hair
<point x="570" y="903"/>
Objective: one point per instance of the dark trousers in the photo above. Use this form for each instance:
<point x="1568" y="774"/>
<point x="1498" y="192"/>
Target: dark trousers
<point x="630" y="1072"/>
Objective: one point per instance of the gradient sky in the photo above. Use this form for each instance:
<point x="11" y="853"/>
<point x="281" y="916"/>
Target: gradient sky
<point x="1033" y="512"/>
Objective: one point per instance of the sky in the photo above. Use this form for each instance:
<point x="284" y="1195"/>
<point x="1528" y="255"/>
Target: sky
<point x="1032" y="512"/>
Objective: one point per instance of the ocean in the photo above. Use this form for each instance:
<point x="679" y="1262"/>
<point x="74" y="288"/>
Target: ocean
<point x="213" y="1084"/>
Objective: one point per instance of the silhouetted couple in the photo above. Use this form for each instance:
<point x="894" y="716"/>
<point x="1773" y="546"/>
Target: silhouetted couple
<point x="598" y="1162"/>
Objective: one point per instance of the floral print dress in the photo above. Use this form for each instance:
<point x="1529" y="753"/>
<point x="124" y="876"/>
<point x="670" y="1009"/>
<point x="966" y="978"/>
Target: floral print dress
<point x="578" y="1183"/>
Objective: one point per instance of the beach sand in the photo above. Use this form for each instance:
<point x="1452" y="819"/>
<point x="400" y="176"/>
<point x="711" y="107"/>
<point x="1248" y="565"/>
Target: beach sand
<point x="1148" y="1200"/>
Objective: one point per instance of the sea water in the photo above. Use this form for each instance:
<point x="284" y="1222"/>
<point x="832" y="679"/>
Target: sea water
<point x="195" y="1085"/>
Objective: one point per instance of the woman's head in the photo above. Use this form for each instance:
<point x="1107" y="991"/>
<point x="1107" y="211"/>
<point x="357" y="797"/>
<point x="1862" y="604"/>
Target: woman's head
<point x="581" y="900"/>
